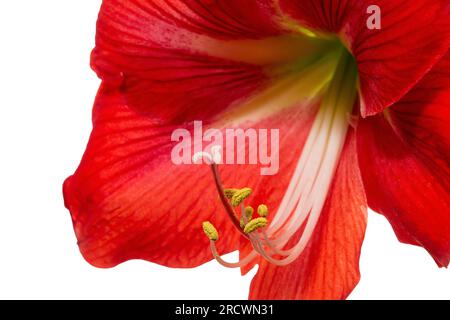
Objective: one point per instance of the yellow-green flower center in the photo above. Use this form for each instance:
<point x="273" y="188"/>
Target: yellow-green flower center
<point x="324" y="70"/>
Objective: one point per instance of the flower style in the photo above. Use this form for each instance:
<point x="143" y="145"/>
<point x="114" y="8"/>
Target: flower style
<point x="363" y="118"/>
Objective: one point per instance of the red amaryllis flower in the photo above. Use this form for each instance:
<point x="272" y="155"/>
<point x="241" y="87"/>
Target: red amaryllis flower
<point x="363" y="117"/>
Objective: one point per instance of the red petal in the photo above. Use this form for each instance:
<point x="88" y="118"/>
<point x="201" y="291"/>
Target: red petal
<point x="328" y="268"/>
<point x="129" y="201"/>
<point x="404" y="158"/>
<point x="414" y="35"/>
<point x="186" y="60"/>
<point x="159" y="53"/>
<point x="220" y="18"/>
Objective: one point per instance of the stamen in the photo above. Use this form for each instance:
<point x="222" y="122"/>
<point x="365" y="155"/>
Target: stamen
<point x="311" y="185"/>
<point x="229" y="193"/>
<point x="246" y="216"/>
<point x="303" y="202"/>
<point x="259" y="248"/>
<point x="273" y="247"/>
<point x="255" y="224"/>
<point x="210" y="231"/>
<point x="240" y="196"/>
<point x="249" y="258"/>
<point x="249" y="212"/>
<point x="297" y="183"/>
<point x="263" y="211"/>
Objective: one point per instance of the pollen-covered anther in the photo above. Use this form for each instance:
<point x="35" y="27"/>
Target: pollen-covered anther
<point x="248" y="215"/>
<point x="240" y="196"/>
<point x="255" y="224"/>
<point x="229" y="193"/>
<point x="210" y="231"/>
<point x="263" y="211"/>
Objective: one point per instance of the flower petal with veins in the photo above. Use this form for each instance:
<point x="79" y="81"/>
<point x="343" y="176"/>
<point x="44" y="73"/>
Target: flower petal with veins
<point x="404" y="158"/>
<point x="413" y="37"/>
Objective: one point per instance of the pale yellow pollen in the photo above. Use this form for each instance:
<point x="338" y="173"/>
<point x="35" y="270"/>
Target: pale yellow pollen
<point x="240" y="196"/>
<point x="210" y="231"/>
<point x="255" y="224"/>
<point x="263" y="211"/>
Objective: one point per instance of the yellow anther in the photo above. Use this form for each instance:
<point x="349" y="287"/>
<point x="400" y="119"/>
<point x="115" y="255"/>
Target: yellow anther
<point x="248" y="216"/>
<point x="255" y="224"/>
<point x="240" y="196"/>
<point x="263" y="211"/>
<point x="210" y="231"/>
<point x="229" y="193"/>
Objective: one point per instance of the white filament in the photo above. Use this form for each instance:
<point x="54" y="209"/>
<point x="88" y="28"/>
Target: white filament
<point x="305" y="197"/>
<point x="309" y="187"/>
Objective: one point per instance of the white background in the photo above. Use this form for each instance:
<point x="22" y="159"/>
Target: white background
<point x="46" y="95"/>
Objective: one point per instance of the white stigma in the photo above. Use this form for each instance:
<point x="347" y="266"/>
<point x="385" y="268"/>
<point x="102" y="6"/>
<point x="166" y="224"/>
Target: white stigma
<point x="215" y="157"/>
